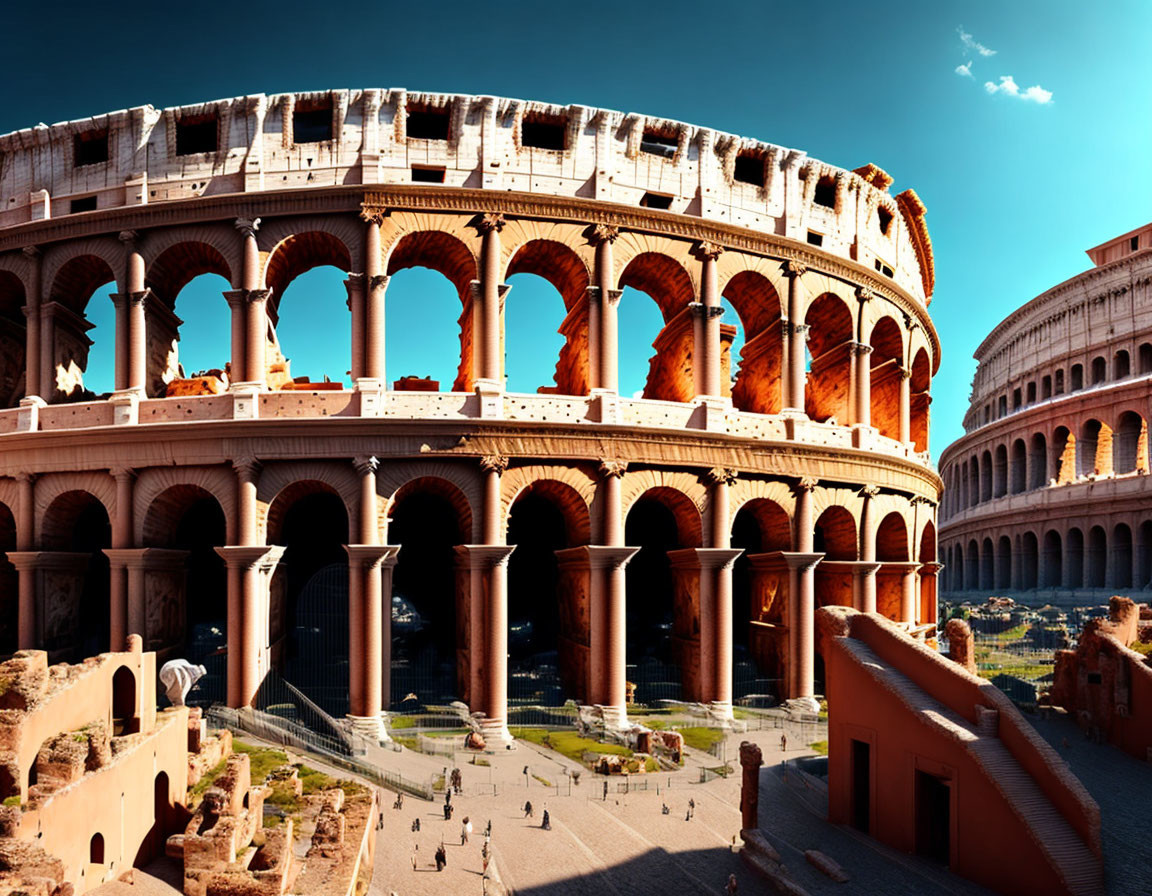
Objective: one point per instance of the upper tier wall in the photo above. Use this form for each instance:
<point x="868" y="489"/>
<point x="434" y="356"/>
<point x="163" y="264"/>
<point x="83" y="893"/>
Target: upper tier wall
<point x="607" y="156"/>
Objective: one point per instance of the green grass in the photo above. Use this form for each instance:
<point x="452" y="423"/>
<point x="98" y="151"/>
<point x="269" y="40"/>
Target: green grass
<point x="13" y="800"/>
<point x="314" y="781"/>
<point x="820" y="746"/>
<point x="196" y="791"/>
<point x="701" y="738"/>
<point x="568" y="743"/>
<point x="1142" y="647"/>
<point x="741" y="714"/>
<point x="261" y="760"/>
<point x="398" y="722"/>
<point x="412" y="743"/>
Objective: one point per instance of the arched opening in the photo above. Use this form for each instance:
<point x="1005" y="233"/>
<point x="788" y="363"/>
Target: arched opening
<point x="1076" y="377"/>
<point x="82" y="331"/>
<point x="1000" y="475"/>
<point x="308" y="615"/>
<point x="1144" y="555"/>
<point x="963" y="497"/>
<point x="891" y="547"/>
<point x="430" y="644"/>
<point x="1130" y="444"/>
<point x="1121" y="365"/>
<point x="887" y="369"/>
<point x="13" y="340"/>
<point x="546" y="320"/>
<point x="759" y="377"/>
<point x="1064" y="454"/>
<point x="1004" y="563"/>
<point x="829" y="352"/>
<point x="188" y="279"/>
<point x="96" y="850"/>
<point x="306" y="274"/>
<point x="957" y="581"/>
<point x="76" y="610"/>
<point x="1075" y="559"/>
<point x="1145" y="358"/>
<point x="1018" y="479"/>
<point x="1029" y="561"/>
<point x="429" y="303"/>
<point x="1099" y="371"/>
<point x="663" y="620"/>
<point x="1121" y="556"/>
<point x="974" y="481"/>
<point x="163" y="820"/>
<point x="921" y="400"/>
<point x="548" y="599"/>
<point x="1053" y="560"/>
<point x="1097" y="559"/>
<point x="986" y="476"/>
<point x="834" y="535"/>
<point x="928" y="582"/>
<point x="1037" y="461"/>
<point x="987" y="566"/>
<point x="671" y="371"/>
<point x="759" y="598"/>
<point x="1094" y="449"/>
<point x="972" y="567"/>
<point x="125" y="710"/>
<point x="189" y="520"/>
<point x="9" y="583"/>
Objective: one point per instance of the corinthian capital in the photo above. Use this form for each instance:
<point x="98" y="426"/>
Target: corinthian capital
<point x="709" y="250"/>
<point x="603" y="233"/>
<point x="494" y="463"/>
<point x="366" y="465"/>
<point x="720" y="476"/>
<point x="246" y="467"/>
<point x="373" y="214"/>
<point x="487" y="223"/>
<point x="613" y="469"/>
<point x="793" y="269"/>
<point x="248" y="226"/>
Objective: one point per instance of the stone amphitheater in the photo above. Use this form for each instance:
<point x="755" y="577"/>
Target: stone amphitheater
<point x="692" y="531"/>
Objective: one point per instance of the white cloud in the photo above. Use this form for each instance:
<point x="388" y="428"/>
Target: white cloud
<point x="1008" y="85"/>
<point x="971" y="45"/>
<point x="965" y="70"/>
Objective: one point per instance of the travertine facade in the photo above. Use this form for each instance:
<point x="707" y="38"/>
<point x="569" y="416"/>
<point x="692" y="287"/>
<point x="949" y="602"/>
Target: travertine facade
<point x="819" y="445"/>
<point x="1046" y="491"/>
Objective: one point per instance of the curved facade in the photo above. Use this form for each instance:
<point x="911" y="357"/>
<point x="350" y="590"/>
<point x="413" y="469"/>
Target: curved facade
<point x="671" y="538"/>
<point x="1047" y="490"/>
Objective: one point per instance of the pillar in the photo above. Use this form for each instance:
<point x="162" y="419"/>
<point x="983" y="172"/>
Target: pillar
<point x="32" y="385"/>
<point x="370" y="633"/>
<point x="355" y="287"/>
<point x="609" y="621"/>
<point x="802" y="597"/>
<point x="906" y="406"/>
<point x="26" y="596"/>
<point x="486" y="350"/>
<point x="908" y="593"/>
<point x="606" y="365"/>
<point x="255" y="303"/>
<point x="706" y="325"/>
<point x="751" y="759"/>
<point x="249" y="571"/>
<point x="134" y="332"/>
<point x="48" y="350"/>
<point x="375" y="285"/>
<point x="120" y="375"/>
<point x="120" y="618"/>
<point x="862" y="365"/>
<point x="721" y="479"/>
<point x="238" y="362"/>
<point x="495" y="557"/>
<point x="794" y="334"/>
<point x="929" y="573"/>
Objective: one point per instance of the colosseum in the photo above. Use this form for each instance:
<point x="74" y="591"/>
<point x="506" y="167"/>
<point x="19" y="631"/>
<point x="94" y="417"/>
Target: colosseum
<point x="1047" y="489"/>
<point x="678" y="541"/>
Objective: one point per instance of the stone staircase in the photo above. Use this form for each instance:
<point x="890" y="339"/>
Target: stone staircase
<point x="1066" y="851"/>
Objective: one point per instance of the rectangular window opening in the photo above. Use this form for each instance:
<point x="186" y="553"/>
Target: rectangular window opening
<point x="541" y="131"/>
<point x="1134" y="243"/>
<point x="312" y="122"/>
<point x="427" y="175"/>
<point x="1032" y="392"/>
<point x="884" y="218"/>
<point x="90" y="148"/>
<point x="749" y="168"/>
<point x="197" y="134"/>
<point x="425" y="123"/>
<point x="1046" y="388"/>
<point x="659" y="143"/>
<point x="656" y="200"/>
<point x="1017" y="398"/>
<point x="84" y="204"/>
<point x="825" y="194"/>
<point x="815" y="239"/>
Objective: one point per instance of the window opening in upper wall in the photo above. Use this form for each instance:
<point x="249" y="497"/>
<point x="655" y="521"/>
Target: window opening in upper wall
<point x="312" y="121"/>
<point x="542" y="131"/>
<point x="198" y="133"/>
<point x="884" y="217"/>
<point x="1059" y="382"/>
<point x="1046" y="388"/>
<point x="1017" y="398"/>
<point x="427" y="175"/>
<point x="815" y="239"/>
<point x="1031" y="393"/>
<point x="656" y="200"/>
<point x="750" y="168"/>
<point x="90" y="148"/>
<point x="427" y="123"/>
<point x="1077" y="377"/>
<point x="83" y="204"/>
<point x="825" y="192"/>
<point x="659" y="143"/>
<point x="1134" y="243"/>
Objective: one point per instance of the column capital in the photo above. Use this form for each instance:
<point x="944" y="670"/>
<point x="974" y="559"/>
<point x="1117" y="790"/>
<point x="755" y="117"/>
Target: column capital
<point x="720" y="476"/>
<point x="354" y="280"/>
<point x="607" y="557"/>
<point x="373" y="214"/>
<point x="707" y="250"/>
<point x="25" y="477"/>
<point x="807" y="483"/>
<point x="369" y="556"/>
<point x="863" y="294"/>
<point x="613" y="297"/>
<point x="869" y="491"/>
<point x="612" y="469"/>
<point x="801" y="562"/>
<point x="122" y="473"/>
<point x="366" y="465"/>
<point x="128" y="237"/>
<point x="140" y="297"/>
<point x="795" y="329"/>
<point x="494" y="463"/>
<point x="699" y="309"/>
<point x="483" y="556"/>
<point x="246" y="557"/>
<point x="247" y="467"/>
<point x="602" y="233"/>
<point x="248" y="226"/>
<point x="377" y="281"/>
<point x="252" y="296"/>
<point x="861" y="348"/>
<point x="792" y="269"/>
<point x="489" y="222"/>
<point x="922" y="499"/>
<point x="31" y="251"/>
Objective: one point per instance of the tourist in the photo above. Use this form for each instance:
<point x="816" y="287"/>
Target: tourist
<point x="380" y="822"/>
<point x="441" y="858"/>
<point x="546" y="821"/>
<point x="691" y="807"/>
<point x="528" y="809"/>
<point x="447" y="811"/>
<point x="415" y="851"/>
<point x="605" y="791"/>
<point x="731" y="888"/>
<point x="448" y="796"/>
<point x="416" y="825"/>
<point x="688" y="815"/>
<point x="783" y="743"/>
<point x="488" y="830"/>
<point x="664" y="810"/>
<point x="465" y="830"/>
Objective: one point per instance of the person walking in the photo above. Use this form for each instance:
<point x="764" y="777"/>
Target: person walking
<point x="415" y="853"/>
<point x="447" y="812"/>
<point x="488" y="830"/>
<point x="528" y="809"/>
<point x="731" y="888"/>
<point x="465" y="830"/>
<point x="605" y="790"/>
<point x="546" y="821"/>
<point x="691" y="807"/>
<point x="441" y="858"/>
<point x="380" y="822"/>
<point x="783" y="743"/>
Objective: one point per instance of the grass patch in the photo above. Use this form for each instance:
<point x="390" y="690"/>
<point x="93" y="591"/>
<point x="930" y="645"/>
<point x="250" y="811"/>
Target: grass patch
<point x="568" y="743"/>
<point x="1142" y="647"/>
<point x="196" y="791"/>
<point x="283" y="797"/>
<point x="261" y="760"/>
<point x="13" y="800"/>
<point x="699" y="738"/>
<point x="478" y="760"/>
<point x="741" y="714"/>
<point x="651" y="765"/>
<point x="313" y="781"/>
<point x="438" y="784"/>
<point x="398" y="722"/>
<point x="722" y="770"/>
<point x="820" y="746"/>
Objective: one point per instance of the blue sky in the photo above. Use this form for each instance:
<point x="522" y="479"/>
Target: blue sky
<point x="1016" y="189"/>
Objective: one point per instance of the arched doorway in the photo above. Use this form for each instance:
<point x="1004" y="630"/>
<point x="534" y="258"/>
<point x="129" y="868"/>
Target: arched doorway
<point x="759" y="599"/>
<point x="75" y="614"/>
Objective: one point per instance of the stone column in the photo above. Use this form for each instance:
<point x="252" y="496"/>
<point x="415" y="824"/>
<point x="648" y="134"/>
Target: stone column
<point x="370" y="634"/>
<point x="908" y="581"/>
<point x="928" y="584"/>
<point x="862" y="364"/>
<point x="48" y="350"/>
<point x="486" y="351"/>
<point x="864" y="586"/>
<point x="241" y="583"/>
<point x="794" y="341"/>
<point x="496" y="610"/>
<point x="355" y="287"/>
<point x="802" y="626"/>
<point x="25" y="535"/>
<point x="750" y="761"/>
<point x="375" y="284"/>
<point x="868" y="549"/>
<point x="120" y="617"/>
<point x="32" y="384"/>
<point x="609" y="637"/>
<point x="249" y="571"/>
<point x="605" y="366"/>
<point x="905" y="406"/>
<point x="362" y="640"/>
<point x="238" y="366"/>
<point x="120" y="374"/>
<point x="706" y="324"/>
<point x="134" y="332"/>
<point x="255" y="307"/>
<point x="720" y="480"/>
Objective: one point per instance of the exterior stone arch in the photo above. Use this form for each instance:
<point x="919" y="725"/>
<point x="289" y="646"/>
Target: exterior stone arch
<point x="824" y="497"/>
<point x="57" y="258"/>
<point x="575" y="496"/>
<point x="732" y="263"/>
<point x="674" y="493"/>
<point x="462" y="486"/>
<point x="579" y="261"/>
<point x="636" y="483"/>
<point x="219" y="482"/>
<point x="300" y="248"/>
<point x="20" y="266"/>
<point x="221" y="237"/>
<point x="744" y="491"/>
<point x="841" y="531"/>
<point x="442" y="242"/>
<point x="341" y="479"/>
<point x="9" y="493"/>
<point x="97" y="484"/>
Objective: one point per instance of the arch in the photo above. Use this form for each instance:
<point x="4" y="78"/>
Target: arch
<point x="671" y="371"/>
<point x="1018" y="478"/>
<point x="1094" y="449"/>
<point x="957" y="580"/>
<point x="689" y="524"/>
<point x="76" y="270"/>
<point x="125" y="704"/>
<point x="1075" y="561"/>
<point x="568" y="501"/>
<point x="96" y="849"/>
<point x="302" y="477"/>
<point x="887" y="369"/>
<point x="830" y="345"/>
<point x="1076" y="375"/>
<point x="151" y="523"/>
<point x="165" y="510"/>
<point x="13" y="339"/>
<point x="439" y="251"/>
<point x="987" y="565"/>
<point x="928" y="547"/>
<point x="176" y="266"/>
<point x="288" y="494"/>
<point x="1144" y="358"/>
<point x="9" y="584"/>
<point x="759" y="376"/>
<point x="766" y="525"/>
<point x="1144" y="555"/>
<point x="71" y="289"/>
<point x="1029" y="561"/>
<point x="1130" y="444"/>
<point x="973" y="481"/>
<point x="972" y="566"/>
<point x="1003" y="563"/>
<point x="299" y="252"/>
<point x="892" y="539"/>
<point x="1063" y="456"/>
<point x="834" y="534"/>
<point x="1120" y="563"/>
<point x="921" y="399"/>
<point x="1053" y="568"/>
<point x="572" y="488"/>
<point x="1121" y="365"/>
<point x="1000" y="474"/>
<point x="1099" y="370"/>
<point x="450" y="492"/>
<point x="555" y="262"/>
<point x="1037" y="461"/>
<point x="1096" y="558"/>
<point x="986" y="476"/>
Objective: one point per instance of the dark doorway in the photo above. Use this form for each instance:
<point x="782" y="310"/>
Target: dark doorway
<point x="200" y="530"/>
<point x="124" y="718"/>
<point x="92" y="534"/>
<point x="653" y="662"/>
<point x="862" y="786"/>
<point x="933" y="817"/>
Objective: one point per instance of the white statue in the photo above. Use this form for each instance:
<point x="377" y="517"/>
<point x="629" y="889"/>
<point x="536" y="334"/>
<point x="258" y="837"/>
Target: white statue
<point x="178" y="676"/>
